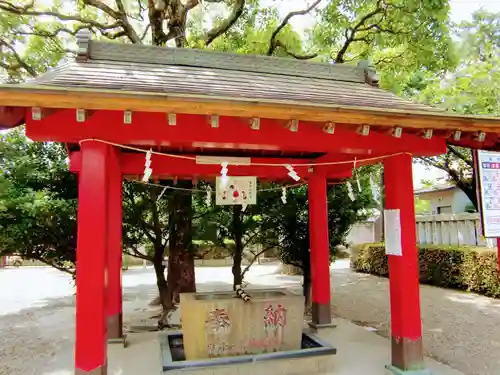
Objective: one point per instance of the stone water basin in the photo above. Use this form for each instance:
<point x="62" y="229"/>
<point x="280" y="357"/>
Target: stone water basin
<point x="314" y="357"/>
<point x="218" y="324"/>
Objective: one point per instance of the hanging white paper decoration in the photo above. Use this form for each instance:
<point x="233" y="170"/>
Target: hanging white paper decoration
<point x="356" y="175"/>
<point x="283" y="195"/>
<point x="374" y="189"/>
<point x="292" y="173"/>
<point x="350" y="191"/>
<point x="224" y="180"/>
<point x="147" y="167"/>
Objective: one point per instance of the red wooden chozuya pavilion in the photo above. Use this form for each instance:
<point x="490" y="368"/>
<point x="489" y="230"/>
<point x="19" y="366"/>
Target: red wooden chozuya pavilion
<point x="273" y="110"/>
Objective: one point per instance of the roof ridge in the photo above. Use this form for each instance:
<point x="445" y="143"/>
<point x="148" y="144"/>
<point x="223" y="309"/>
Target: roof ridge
<point x="135" y="53"/>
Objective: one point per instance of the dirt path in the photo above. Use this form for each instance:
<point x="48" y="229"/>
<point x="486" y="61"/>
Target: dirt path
<point x="460" y="329"/>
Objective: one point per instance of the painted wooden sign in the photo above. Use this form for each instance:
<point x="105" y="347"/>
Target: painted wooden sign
<point x="488" y="173"/>
<point x="236" y="190"/>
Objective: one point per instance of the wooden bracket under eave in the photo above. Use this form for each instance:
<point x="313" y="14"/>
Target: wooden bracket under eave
<point x="83" y="115"/>
<point x="38" y="114"/>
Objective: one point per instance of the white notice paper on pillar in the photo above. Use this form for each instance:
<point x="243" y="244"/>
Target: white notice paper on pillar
<point x="392" y="232"/>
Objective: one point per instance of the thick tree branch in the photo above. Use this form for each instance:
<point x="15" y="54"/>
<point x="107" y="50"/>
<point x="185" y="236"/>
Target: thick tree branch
<point x="137" y="254"/>
<point x="461" y="156"/>
<point x="289" y="16"/>
<point x="120" y="16"/>
<point x="120" y="6"/>
<point x="227" y="23"/>
<point x="105" y="8"/>
<point x="145" y="33"/>
<point x="350" y="33"/>
<point x="20" y="62"/>
<point x="389" y="59"/>
<point x="55" y="33"/>
<point x="247" y="268"/>
<point x="190" y="4"/>
<point x="295" y="55"/>
<point x="28" y="11"/>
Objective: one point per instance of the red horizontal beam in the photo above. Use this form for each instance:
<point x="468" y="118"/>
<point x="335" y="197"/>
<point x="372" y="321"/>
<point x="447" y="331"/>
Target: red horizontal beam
<point x="152" y="129"/>
<point x="133" y="165"/>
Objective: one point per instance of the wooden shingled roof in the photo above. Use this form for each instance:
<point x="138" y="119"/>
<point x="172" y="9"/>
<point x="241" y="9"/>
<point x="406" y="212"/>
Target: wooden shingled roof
<point x="113" y="76"/>
<point x="152" y="69"/>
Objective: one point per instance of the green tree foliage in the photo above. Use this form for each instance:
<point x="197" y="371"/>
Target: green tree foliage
<point x="35" y="35"/>
<point x="38" y="199"/>
<point x="292" y="221"/>
<point x="402" y="37"/>
<point x="472" y="88"/>
<point x="284" y="227"/>
<point x="408" y="41"/>
<point x="238" y="230"/>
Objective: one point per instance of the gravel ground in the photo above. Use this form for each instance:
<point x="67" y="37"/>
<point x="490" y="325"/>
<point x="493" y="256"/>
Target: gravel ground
<point x="37" y="319"/>
<point x="40" y="341"/>
<point x="37" y="333"/>
<point x="459" y="329"/>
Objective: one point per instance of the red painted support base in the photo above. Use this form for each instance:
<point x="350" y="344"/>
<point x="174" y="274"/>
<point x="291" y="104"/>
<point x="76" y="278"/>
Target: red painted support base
<point x="91" y="317"/>
<point x="320" y="251"/>
<point x="114" y="255"/>
<point x="406" y="325"/>
<point x="98" y="371"/>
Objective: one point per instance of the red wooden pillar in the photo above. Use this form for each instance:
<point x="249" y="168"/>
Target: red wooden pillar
<point x="406" y="326"/>
<point x="91" y="327"/>
<point x="114" y="254"/>
<point x="320" y="252"/>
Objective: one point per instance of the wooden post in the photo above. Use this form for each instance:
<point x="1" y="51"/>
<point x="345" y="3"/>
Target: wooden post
<point x="91" y="332"/>
<point x="320" y="251"/>
<point x="406" y="326"/>
<point x="114" y="257"/>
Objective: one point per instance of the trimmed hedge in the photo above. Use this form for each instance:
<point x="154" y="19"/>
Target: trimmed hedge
<point x="466" y="268"/>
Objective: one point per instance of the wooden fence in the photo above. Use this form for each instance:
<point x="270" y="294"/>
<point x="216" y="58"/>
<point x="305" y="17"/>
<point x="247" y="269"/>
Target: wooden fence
<point x="452" y="229"/>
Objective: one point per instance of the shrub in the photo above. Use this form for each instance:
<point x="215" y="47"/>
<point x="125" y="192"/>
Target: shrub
<point x="208" y="251"/>
<point x="466" y="268"/>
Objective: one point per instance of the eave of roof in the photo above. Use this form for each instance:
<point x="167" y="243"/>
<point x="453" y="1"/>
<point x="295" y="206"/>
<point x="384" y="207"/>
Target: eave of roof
<point x="57" y="97"/>
<point x="433" y="190"/>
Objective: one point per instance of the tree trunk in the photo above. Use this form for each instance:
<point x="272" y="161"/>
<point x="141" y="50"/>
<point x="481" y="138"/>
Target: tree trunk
<point x="469" y="188"/>
<point x="238" y="241"/>
<point x="160" y="277"/>
<point x="180" y="270"/>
